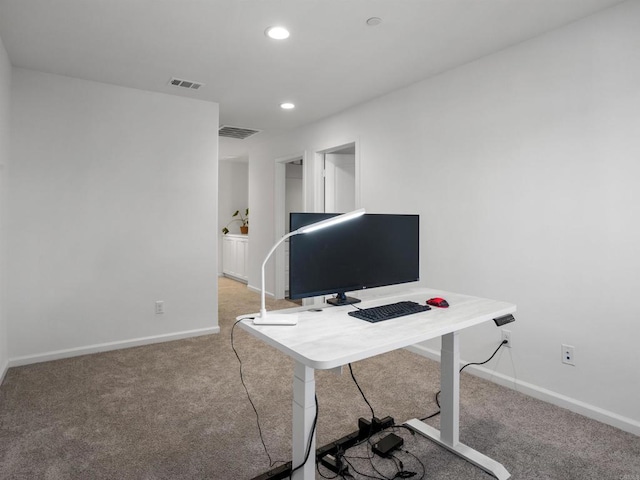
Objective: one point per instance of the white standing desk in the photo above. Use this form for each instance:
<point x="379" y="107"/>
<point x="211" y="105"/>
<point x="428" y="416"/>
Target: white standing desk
<point x="331" y="338"/>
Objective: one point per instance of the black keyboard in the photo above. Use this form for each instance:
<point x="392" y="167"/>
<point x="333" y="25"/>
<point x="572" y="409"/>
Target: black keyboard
<point x="387" y="312"/>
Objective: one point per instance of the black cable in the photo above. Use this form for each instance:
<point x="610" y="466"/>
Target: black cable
<point x="360" y="473"/>
<point x="488" y="359"/>
<point x="264" y="445"/>
<point x="433" y="414"/>
<point x="402" y="473"/>
<point x="311" y="433"/>
<point x="424" y="469"/>
<point x="398" y="461"/>
<point x="465" y="366"/>
<point x="323" y="475"/>
<point x="370" y="433"/>
<point x="313" y="427"/>
<point x="409" y="429"/>
<point x="399" y="465"/>
<point x="373" y="415"/>
<point x="369" y="451"/>
<point x="399" y="473"/>
<point x="372" y="455"/>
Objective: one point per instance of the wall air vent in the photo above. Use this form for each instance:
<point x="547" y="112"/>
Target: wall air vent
<point x="178" y="82"/>
<point x="236" y="132"/>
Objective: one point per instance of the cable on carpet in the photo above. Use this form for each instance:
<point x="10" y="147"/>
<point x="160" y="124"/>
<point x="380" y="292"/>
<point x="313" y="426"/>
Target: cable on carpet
<point x="264" y="445"/>
<point x="400" y="472"/>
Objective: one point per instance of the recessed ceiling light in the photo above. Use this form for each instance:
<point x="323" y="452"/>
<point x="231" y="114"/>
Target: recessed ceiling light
<point x="287" y="106"/>
<point x="277" y="33"/>
<point x="373" y="21"/>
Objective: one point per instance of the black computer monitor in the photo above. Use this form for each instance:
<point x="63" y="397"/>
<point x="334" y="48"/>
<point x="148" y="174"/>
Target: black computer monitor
<point x="373" y="250"/>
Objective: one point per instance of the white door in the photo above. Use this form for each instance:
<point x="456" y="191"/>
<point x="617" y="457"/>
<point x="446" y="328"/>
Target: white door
<point x="339" y="182"/>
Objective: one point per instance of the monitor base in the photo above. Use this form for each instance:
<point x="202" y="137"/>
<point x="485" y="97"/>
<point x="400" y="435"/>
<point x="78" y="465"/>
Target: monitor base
<point x="342" y="299"/>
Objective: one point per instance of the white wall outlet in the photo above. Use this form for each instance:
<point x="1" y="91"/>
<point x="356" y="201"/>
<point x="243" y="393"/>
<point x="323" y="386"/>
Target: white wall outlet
<point x="506" y="335"/>
<point x="159" y="307"/>
<point x="568" y="354"/>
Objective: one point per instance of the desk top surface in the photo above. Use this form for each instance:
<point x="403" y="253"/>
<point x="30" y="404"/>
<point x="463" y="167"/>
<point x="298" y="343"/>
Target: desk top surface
<point x="331" y="338"/>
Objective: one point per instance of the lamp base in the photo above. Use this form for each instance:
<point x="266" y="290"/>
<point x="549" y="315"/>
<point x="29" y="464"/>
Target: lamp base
<point x="276" y="319"/>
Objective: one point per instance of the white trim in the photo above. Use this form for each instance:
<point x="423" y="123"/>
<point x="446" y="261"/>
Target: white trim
<point x="235" y="278"/>
<point x="279" y="205"/>
<point x="3" y="371"/>
<point x="105" y="347"/>
<point x="280" y="193"/>
<point x="317" y="202"/>
<point x="577" y="406"/>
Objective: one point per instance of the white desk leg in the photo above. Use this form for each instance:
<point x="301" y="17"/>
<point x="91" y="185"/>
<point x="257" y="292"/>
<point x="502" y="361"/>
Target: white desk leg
<point x="448" y="436"/>
<point x="304" y="411"/>
<point x="450" y="387"/>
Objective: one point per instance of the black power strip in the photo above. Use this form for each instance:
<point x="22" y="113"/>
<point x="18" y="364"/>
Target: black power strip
<point x="335" y="463"/>
<point x="330" y="454"/>
<point x="366" y="428"/>
<point x="279" y="473"/>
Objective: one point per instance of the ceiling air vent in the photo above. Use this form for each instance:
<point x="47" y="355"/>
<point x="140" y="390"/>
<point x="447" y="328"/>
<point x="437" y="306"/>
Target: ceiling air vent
<point x="178" y="82"/>
<point x="236" y="132"/>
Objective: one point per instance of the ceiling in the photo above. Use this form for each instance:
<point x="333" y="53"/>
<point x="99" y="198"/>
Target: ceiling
<point x="332" y="60"/>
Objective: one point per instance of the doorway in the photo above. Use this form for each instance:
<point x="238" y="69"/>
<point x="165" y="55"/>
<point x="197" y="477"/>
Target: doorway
<point x="289" y="197"/>
<point x="293" y="202"/>
<point x="324" y="182"/>
<point x="340" y="180"/>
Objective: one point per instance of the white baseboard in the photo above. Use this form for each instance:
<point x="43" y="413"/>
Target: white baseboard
<point x="3" y="371"/>
<point x="258" y="290"/>
<point x="234" y="277"/>
<point x="104" y="347"/>
<point x="577" y="406"/>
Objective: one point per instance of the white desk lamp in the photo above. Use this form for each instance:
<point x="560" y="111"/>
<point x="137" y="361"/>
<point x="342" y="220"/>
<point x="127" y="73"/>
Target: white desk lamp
<point x="292" y="318"/>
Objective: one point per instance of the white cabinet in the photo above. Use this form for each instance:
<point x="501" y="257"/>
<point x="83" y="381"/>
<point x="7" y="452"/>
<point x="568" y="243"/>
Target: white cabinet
<point x="235" y="252"/>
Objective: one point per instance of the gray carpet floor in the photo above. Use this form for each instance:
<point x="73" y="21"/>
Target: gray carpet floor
<point x="178" y="410"/>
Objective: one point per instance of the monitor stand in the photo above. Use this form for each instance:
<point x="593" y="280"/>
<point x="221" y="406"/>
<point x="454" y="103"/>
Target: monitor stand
<point x="341" y="299"/>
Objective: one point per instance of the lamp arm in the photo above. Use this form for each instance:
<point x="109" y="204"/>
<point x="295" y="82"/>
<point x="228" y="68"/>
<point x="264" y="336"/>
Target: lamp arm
<point x="263" y="310"/>
<point x="306" y="229"/>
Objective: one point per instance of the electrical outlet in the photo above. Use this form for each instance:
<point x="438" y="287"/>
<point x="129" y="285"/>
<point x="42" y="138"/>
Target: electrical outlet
<point x="506" y="335"/>
<point x="159" y="307"/>
<point x="568" y="354"/>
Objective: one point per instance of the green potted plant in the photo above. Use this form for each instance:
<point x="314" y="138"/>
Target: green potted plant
<point x="242" y="218"/>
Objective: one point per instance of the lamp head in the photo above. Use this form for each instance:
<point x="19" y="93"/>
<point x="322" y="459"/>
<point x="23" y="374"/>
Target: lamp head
<point x="329" y="222"/>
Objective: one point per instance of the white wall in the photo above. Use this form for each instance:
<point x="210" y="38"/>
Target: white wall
<point x="113" y="205"/>
<point x="5" y="95"/>
<point x="524" y="168"/>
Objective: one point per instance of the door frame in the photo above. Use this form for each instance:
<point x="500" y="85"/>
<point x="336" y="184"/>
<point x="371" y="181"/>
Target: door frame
<point x="312" y="195"/>
<point x="279" y="216"/>
<point x="319" y="200"/>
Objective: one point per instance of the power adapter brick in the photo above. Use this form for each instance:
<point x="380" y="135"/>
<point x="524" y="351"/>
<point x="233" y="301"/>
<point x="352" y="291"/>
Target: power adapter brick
<point x="387" y="444"/>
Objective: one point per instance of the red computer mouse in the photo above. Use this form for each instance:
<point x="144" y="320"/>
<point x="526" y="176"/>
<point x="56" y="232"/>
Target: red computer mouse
<point x="438" y="302"/>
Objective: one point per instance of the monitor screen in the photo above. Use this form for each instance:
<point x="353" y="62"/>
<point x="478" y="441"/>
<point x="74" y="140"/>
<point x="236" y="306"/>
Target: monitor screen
<point x="373" y="250"/>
